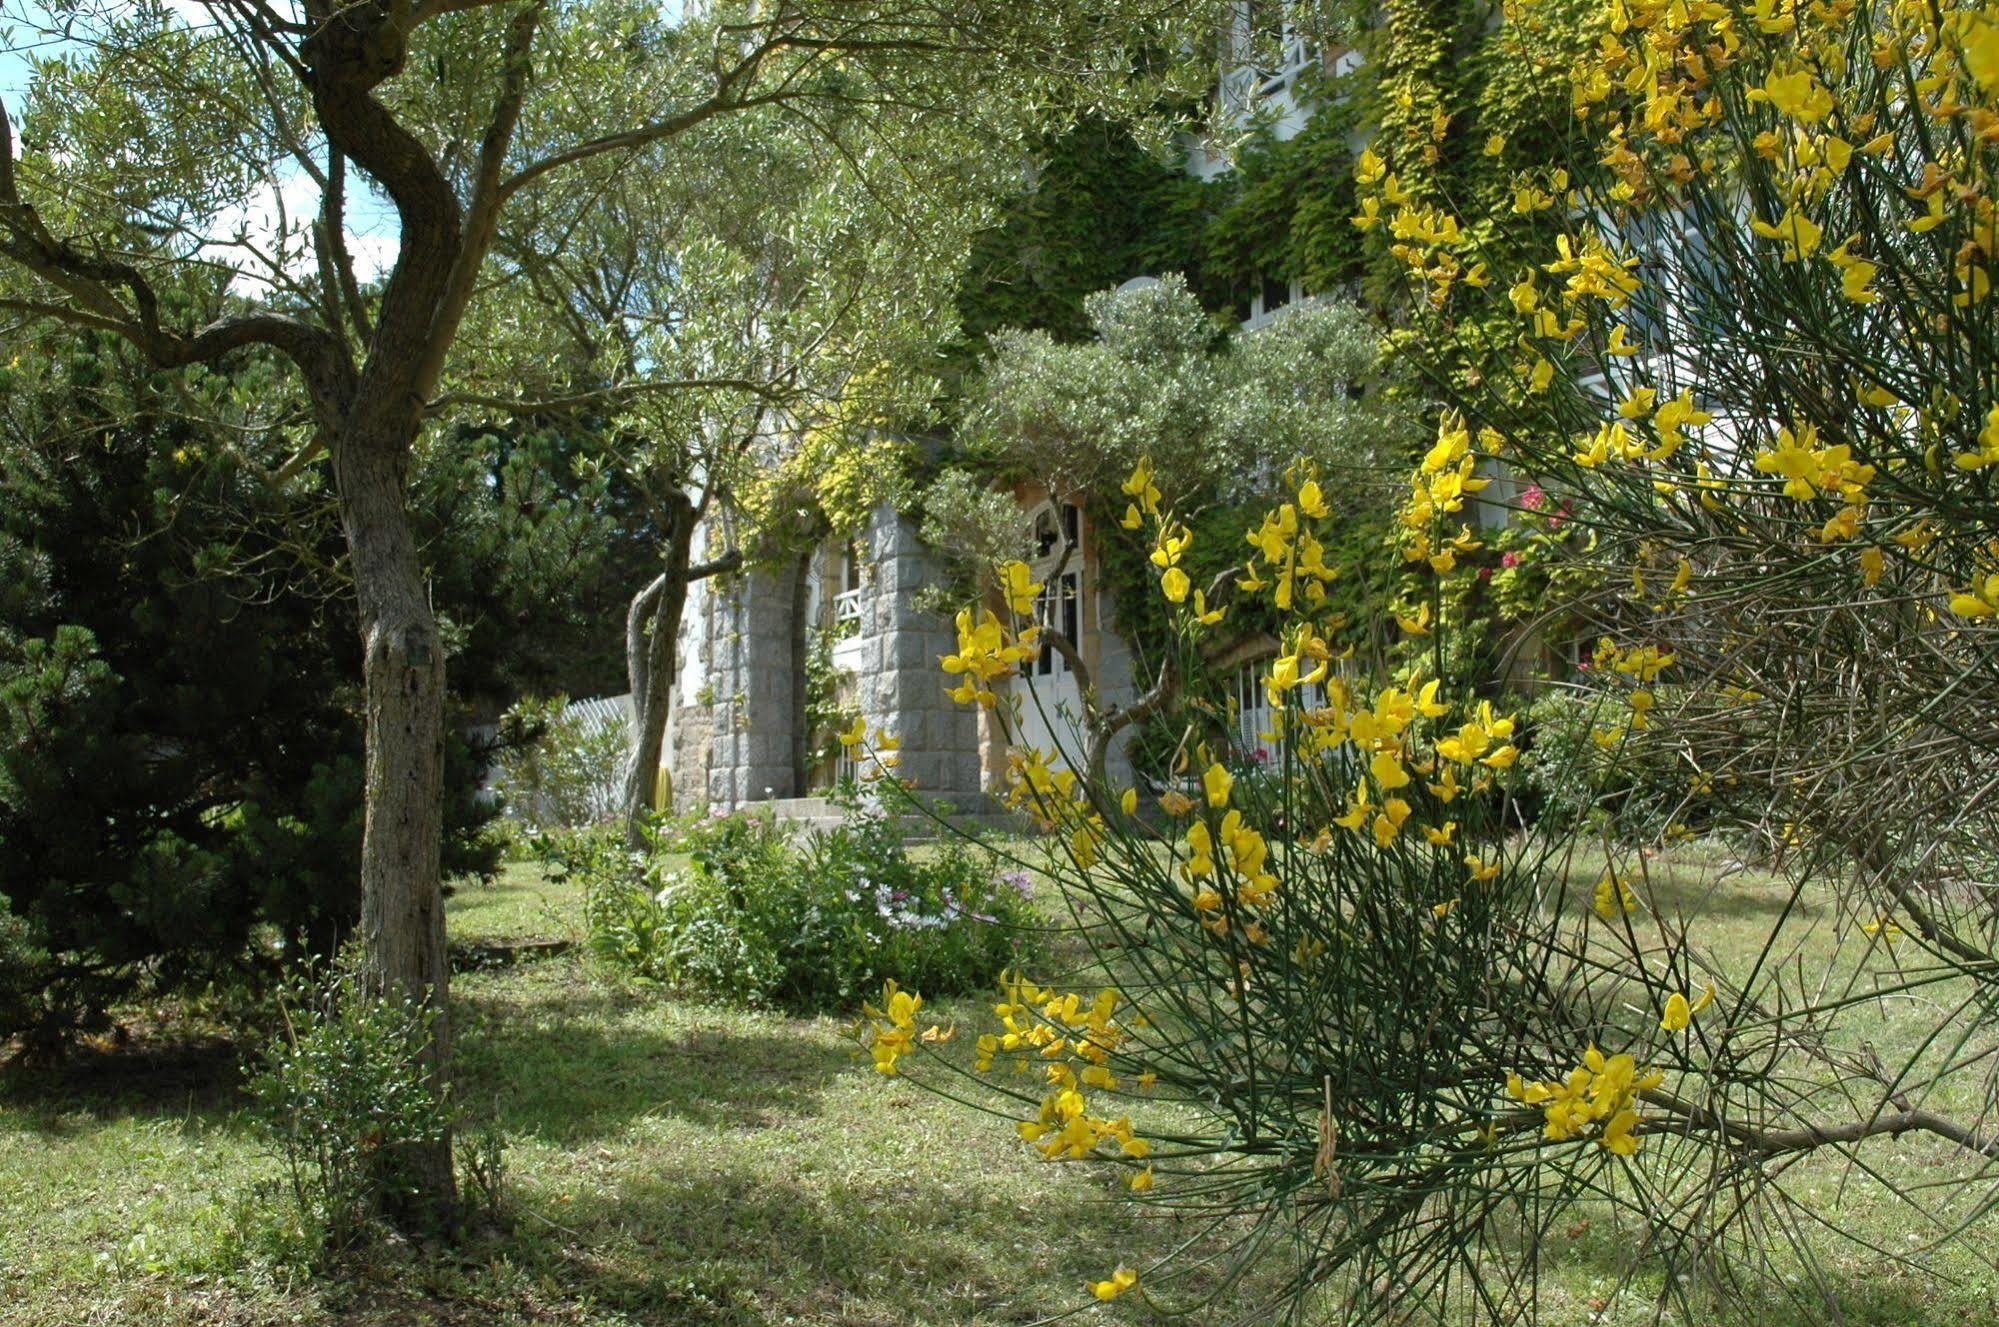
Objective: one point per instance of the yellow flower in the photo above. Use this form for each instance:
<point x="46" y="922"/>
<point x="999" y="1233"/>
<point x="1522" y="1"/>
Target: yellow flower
<point x="1856" y="274"/>
<point x="1679" y="1012"/>
<point x="895" y="1027"/>
<point x="1311" y="501"/>
<point x="1988" y="445"/>
<point x="1217" y="782"/>
<point x="1617" y="1136"/>
<point x="853" y="736"/>
<point x="1357" y="809"/>
<point x="1175" y="585"/>
<point x="1389" y="823"/>
<point x="1388" y="772"/>
<point x="1799" y="233"/>
<point x="1142" y="1182"/>
<point x="1019" y="586"/>
<point x="1980" y="600"/>
<point x="1141" y="488"/>
<point x="1981" y="51"/>
<point x="1797" y="95"/>
<point x="1123" y="1279"/>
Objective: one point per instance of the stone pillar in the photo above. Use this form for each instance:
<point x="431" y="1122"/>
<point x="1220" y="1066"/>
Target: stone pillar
<point x="901" y="684"/>
<point x="693" y="727"/>
<point x="1115" y="684"/>
<point x="755" y="677"/>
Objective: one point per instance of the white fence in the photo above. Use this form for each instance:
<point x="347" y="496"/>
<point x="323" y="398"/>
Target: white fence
<point x="575" y="774"/>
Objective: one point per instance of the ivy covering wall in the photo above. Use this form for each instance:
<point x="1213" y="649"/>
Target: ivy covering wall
<point x="1449" y="97"/>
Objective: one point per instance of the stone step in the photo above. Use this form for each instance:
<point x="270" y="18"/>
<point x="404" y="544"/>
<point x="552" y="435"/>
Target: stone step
<point x="979" y="814"/>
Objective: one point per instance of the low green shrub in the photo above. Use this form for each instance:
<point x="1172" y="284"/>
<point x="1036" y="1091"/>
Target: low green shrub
<point x="809" y="924"/>
<point x="559" y="766"/>
<point x="1574" y="782"/>
<point x="339" y="1093"/>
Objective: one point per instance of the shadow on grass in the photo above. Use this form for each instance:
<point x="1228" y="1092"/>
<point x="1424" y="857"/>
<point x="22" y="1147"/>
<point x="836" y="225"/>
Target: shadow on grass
<point x="1709" y="892"/>
<point x="729" y="1245"/>
<point x="1590" y="1256"/>
<point x="567" y="1060"/>
<point x="172" y="1078"/>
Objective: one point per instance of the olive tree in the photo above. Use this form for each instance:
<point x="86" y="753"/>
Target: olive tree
<point x="193" y="186"/>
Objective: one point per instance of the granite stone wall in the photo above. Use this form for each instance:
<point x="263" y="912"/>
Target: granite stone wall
<point x="900" y="684"/>
<point x="753" y="680"/>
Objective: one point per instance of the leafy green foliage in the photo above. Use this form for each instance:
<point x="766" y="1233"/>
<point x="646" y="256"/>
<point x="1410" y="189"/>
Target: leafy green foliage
<point x="180" y="754"/>
<point x="339" y="1093"/>
<point x="811" y="925"/>
<point x="1099" y="211"/>
<point x="560" y="770"/>
<point x="508" y="511"/>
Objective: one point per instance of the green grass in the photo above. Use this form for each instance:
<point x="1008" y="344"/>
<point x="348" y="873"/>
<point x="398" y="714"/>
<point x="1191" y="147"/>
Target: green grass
<point x="667" y="1162"/>
<point x="676" y="1163"/>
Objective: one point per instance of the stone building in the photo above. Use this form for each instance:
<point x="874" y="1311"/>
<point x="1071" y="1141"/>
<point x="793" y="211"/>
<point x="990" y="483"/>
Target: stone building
<point x="852" y="622"/>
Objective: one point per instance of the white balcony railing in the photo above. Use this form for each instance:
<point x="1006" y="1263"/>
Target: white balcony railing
<point x="846" y="607"/>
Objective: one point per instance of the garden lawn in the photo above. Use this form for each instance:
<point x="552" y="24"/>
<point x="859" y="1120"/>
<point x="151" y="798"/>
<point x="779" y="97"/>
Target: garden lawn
<point x="669" y="1162"/>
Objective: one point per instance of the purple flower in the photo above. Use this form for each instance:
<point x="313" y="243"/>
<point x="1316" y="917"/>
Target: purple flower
<point x="1022" y="882"/>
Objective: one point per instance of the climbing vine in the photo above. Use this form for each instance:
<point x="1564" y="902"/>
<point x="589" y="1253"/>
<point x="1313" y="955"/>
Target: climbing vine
<point x="1455" y="102"/>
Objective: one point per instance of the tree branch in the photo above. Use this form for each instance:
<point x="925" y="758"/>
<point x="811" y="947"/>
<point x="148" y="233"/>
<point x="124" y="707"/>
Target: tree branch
<point x="483" y="215"/>
<point x="92" y="282"/>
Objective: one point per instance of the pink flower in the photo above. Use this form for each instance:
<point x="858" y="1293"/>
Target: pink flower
<point x="1509" y="559"/>
<point x="1485" y="573"/>
<point x="1533" y="497"/>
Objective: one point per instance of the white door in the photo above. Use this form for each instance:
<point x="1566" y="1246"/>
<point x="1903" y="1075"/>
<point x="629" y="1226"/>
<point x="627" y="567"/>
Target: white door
<point x="1051" y="711"/>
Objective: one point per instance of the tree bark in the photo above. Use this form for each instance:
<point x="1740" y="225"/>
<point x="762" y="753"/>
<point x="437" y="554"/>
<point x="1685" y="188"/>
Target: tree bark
<point x="652" y="646"/>
<point x="402" y="898"/>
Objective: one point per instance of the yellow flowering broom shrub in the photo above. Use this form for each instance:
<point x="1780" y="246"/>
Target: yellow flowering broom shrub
<point x="1343" y="1011"/>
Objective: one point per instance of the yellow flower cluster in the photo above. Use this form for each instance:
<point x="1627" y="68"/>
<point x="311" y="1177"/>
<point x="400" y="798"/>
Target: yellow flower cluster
<point x="1426" y="238"/>
<point x="1288" y="548"/>
<point x="987" y="652"/>
<point x="1649" y="84"/>
<point x="882" y="754"/>
<point x="1601" y="1093"/>
<point x="1170" y="544"/>
<point x="1229" y="855"/>
<point x="1810" y="471"/>
<point x="891" y="1027"/>
<point x="1056" y="800"/>
<point x="1390" y="731"/>
<point x="1073" y="1041"/>
<point x="1614" y="897"/>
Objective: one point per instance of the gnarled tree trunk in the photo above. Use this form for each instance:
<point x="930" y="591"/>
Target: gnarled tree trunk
<point x="402" y="897"/>
<point x="652" y="653"/>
